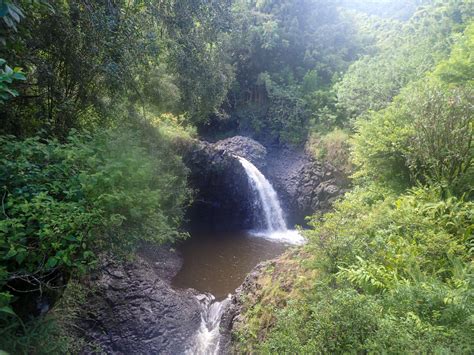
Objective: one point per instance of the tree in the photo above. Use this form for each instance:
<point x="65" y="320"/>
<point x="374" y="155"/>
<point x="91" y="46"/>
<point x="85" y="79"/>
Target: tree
<point x="404" y="55"/>
<point x="275" y="45"/>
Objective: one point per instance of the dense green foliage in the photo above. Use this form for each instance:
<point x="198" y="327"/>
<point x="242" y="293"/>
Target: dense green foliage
<point x="87" y="64"/>
<point x="425" y="135"/>
<point x="7" y="76"/>
<point x="403" y="55"/>
<point x="98" y="99"/>
<point x="64" y="202"/>
<point x="391" y="268"/>
<point x="286" y="55"/>
<point x="395" y="275"/>
<point x="90" y="153"/>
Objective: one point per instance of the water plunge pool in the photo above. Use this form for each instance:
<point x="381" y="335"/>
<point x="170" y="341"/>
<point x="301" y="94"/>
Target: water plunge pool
<point x="219" y="263"/>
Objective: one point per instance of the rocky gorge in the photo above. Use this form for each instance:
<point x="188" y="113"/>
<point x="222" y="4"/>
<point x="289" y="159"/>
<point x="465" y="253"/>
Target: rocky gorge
<point x="132" y="307"/>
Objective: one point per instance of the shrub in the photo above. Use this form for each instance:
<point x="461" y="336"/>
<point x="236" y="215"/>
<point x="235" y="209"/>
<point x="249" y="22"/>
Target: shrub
<point x="394" y="274"/>
<point x="425" y="135"/>
<point x="337" y="323"/>
<point x="440" y="151"/>
<point x="62" y="203"/>
<point x="333" y="148"/>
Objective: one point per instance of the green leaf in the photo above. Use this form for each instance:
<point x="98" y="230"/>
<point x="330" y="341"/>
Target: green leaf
<point x="11" y="253"/>
<point x="21" y="256"/>
<point x="7" y="310"/>
<point x="52" y="262"/>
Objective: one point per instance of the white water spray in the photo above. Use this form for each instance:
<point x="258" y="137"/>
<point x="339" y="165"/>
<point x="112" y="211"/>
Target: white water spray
<point x="207" y="338"/>
<point x="276" y="228"/>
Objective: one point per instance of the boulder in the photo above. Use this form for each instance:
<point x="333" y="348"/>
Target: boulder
<point x="244" y="147"/>
<point x="132" y="308"/>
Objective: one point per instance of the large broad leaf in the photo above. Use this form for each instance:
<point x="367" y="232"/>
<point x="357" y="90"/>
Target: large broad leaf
<point x="7" y="310"/>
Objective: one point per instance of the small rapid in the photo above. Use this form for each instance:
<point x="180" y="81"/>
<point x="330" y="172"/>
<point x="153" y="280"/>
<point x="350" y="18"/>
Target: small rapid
<point x="207" y="338"/>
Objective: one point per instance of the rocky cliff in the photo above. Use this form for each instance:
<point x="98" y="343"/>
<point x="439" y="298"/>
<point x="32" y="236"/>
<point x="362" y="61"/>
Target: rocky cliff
<point x="224" y="198"/>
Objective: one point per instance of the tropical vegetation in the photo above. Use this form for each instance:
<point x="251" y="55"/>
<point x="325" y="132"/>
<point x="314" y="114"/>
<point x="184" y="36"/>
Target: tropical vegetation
<point x="99" y="101"/>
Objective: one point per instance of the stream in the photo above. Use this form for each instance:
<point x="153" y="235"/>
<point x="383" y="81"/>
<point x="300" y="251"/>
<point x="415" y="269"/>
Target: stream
<point x="216" y="264"/>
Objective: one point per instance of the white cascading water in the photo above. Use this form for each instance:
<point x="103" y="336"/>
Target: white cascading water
<point x="207" y="338"/>
<point x="276" y="228"/>
<point x="268" y="197"/>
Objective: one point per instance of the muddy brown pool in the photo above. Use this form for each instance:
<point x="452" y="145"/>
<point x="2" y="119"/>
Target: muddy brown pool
<point x="219" y="263"/>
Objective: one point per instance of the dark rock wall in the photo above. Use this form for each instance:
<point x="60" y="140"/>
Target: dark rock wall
<point x="223" y="199"/>
<point x="244" y="147"/>
<point x="132" y="308"/>
<point x="303" y="184"/>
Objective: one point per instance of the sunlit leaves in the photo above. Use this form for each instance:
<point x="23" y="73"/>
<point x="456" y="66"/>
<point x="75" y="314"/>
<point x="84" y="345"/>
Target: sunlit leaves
<point x="63" y="202"/>
<point x="7" y="77"/>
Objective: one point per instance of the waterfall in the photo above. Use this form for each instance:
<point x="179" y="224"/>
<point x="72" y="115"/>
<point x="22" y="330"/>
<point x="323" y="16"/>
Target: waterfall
<point x="275" y="224"/>
<point x="207" y="338"/>
<point x="272" y="211"/>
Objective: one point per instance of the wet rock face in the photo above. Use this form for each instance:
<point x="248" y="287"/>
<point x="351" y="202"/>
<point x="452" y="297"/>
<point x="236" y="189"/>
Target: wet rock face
<point x="223" y="200"/>
<point x="304" y="185"/>
<point x="244" y="147"/>
<point x="132" y="308"/>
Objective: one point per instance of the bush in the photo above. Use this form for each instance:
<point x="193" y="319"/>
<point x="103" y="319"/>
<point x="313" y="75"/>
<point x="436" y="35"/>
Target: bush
<point x="424" y="136"/>
<point x="333" y="148"/>
<point x="62" y="203"/>
<point x="337" y="323"/>
<point x="394" y="274"/>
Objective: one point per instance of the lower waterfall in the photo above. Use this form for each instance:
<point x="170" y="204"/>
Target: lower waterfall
<point x="207" y="338"/>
